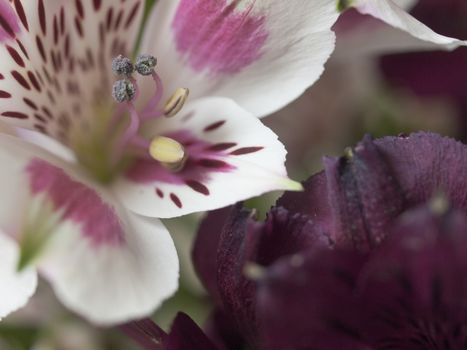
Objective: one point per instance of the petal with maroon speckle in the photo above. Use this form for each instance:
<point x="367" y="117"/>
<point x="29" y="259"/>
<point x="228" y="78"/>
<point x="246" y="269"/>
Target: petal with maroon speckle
<point x="249" y="163"/>
<point x="94" y="253"/>
<point x="57" y="58"/>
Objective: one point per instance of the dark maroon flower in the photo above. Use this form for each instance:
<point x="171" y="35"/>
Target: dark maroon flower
<point x="184" y="335"/>
<point x="410" y="293"/>
<point x="351" y="205"/>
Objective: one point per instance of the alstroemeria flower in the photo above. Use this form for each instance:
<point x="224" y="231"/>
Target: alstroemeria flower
<point x="351" y="205"/>
<point x="56" y="78"/>
<point x="76" y="219"/>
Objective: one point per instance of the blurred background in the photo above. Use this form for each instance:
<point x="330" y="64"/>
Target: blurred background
<point x="379" y="94"/>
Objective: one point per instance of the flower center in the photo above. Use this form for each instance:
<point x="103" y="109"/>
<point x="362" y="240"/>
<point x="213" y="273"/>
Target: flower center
<point x="113" y="143"/>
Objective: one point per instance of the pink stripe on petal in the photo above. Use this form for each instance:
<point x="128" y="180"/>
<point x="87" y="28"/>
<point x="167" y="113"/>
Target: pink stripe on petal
<point x="218" y="36"/>
<point x="79" y="203"/>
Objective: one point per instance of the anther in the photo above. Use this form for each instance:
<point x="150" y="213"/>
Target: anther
<point x="175" y="103"/>
<point x="145" y="64"/>
<point x="122" y="66"/>
<point x="169" y="152"/>
<point x="123" y="90"/>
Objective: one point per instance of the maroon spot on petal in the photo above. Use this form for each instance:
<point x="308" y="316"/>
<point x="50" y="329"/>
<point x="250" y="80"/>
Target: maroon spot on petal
<point x="221" y="146"/>
<point x="20" y="79"/>
<point x="118" y="20"/>
<point x="62" y="20"/>
<point x="22" y="16"/>
<point x="34" y="81"/>
<point x="245" y="150"/>
<point x="40" y="48"/>
<point x="159" y="193"/>
<point x="16" y="115"/>
<point x="176" y="200"/>
<point x="55" y="27"/>
<point x="109" y="19"/>
<point x="79" y="8"/>
<point x="67" y="46"/>
<point x="198" y="187"/>
<point x="213" y="163"/>
<point x="42" y="18"/>
<point x="132" y="15"/>
<point x="97" y="4"/>
<point x="214" y="126"/>
<point x="40" y="128"/>
<point x="30" y="103"/>
<point x="40" y="118"/>
<point x="1" y="76"/>
<point x="4" y="94"/>
<point x="47" y="112"/>
<point x="15" y="55"/>
<point x="78" y="26"/>
<point x="23" y="49"/>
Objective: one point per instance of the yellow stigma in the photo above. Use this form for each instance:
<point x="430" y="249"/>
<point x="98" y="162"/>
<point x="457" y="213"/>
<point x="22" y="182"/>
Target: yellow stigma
<point x="168" y="152"/>
<point x="175" y="103"/>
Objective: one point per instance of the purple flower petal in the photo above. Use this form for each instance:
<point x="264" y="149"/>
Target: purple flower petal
<point x="408" y="294"/>
<point x="221" y="329"/>
<point x="184" y="334"/>
<point x="205" y="247"/>
<point x="146" y="333"/>
<point x="357" y="196"/>
<point x="306" y="306"/>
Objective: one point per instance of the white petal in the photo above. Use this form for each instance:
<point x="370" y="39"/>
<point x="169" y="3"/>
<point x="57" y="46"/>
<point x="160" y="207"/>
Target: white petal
<point x="263" y="54"/>
<point x="388" y="11"/>
<point x="114" y="283"/>
<point x="15" y="288"/>
<point x="104" y="263"/>
<point x="55" y="71"/>
<point x="232" y="156"/>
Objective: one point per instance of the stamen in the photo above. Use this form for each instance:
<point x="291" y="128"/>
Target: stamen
<point x="149" y="111"/>
<point x="176" y="102"/>
<point x="145" y="64"/>
<point x="123" y="90"/>
<point x="168" y="152"/>
<point x="122" y="66"/>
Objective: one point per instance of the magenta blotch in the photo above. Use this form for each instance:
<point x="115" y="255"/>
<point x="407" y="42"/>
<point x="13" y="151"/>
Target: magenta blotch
<point x="9" y="22"/>
<point x="80" y="204"/>
<point x="199" y="152"/>
<point x="218" y="37"/>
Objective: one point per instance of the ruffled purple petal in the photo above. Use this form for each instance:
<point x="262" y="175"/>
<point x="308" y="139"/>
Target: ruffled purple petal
<point x="145" y="333"/>
<point x="407" y="294"/>
<point x="357" y="196"/>
<point x="205" y="248"/>
<point x="185" y="334"/>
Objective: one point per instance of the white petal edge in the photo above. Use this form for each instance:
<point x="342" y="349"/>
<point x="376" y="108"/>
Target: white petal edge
<point x="109" y="285"/>
<point x="16" y="287"/>
<point x="389" y="12"/>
